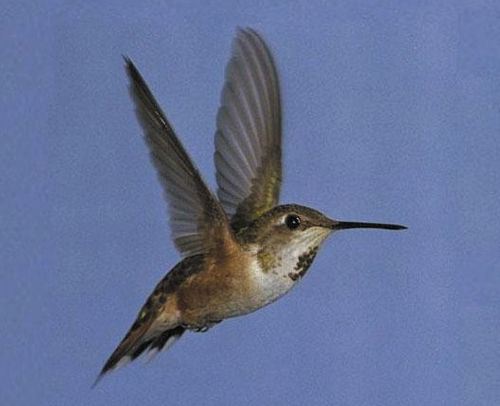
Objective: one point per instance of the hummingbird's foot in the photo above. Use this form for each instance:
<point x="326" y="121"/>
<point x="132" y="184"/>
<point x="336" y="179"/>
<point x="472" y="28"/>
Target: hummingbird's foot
<point x="201" y="329"/>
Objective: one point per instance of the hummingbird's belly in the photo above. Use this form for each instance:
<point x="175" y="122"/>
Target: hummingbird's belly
<point x="222" y="292"/>
<point x="257" y="283"/>
<point x="225" y="290"/>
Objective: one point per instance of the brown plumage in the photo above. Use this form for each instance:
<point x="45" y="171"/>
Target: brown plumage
<point x="197" y="293"/>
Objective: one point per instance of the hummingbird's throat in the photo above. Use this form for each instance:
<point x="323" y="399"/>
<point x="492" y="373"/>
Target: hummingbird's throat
<point x="303" y="263"/>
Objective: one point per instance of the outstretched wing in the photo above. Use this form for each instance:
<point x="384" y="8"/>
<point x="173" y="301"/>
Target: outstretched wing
<point x="198" y="222"/>
<point x="248" y="137"/>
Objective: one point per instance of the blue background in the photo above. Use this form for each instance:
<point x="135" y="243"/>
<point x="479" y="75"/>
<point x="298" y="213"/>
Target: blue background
<point x="391" y="114"/>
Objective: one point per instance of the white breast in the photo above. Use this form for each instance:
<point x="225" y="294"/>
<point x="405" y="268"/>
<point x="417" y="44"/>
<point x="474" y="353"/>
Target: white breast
<point x="270" y="285"/>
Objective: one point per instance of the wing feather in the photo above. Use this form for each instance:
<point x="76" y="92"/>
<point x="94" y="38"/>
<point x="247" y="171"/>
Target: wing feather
<point x="248" y="136"/>
<point x="198" y="221"/>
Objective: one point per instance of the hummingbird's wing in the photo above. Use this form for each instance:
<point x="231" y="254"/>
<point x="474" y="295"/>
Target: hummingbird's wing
<point x="197" y="219"/>
<point x="248" y="137"/>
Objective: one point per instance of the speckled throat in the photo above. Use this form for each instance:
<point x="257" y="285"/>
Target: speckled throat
<point x="304" y="262"/>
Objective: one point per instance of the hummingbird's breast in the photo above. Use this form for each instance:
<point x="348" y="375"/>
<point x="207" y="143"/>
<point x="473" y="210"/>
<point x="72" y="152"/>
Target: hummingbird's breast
<point x="274" y="274"/>
<point x="239" y="284"/>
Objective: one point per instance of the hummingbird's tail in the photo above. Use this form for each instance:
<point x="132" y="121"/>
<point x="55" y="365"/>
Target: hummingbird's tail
<point x="140" y="340"/>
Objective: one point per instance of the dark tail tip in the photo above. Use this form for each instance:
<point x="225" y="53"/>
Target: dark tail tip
<point x="131" y="348"/>
<point x="98" y="379"/>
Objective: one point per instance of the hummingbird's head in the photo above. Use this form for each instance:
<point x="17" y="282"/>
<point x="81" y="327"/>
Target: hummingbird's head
<point x="290" y="226"/>
<point x="294" y="233"/>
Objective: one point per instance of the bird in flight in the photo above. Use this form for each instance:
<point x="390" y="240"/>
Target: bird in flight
<point x="240" y="250"/>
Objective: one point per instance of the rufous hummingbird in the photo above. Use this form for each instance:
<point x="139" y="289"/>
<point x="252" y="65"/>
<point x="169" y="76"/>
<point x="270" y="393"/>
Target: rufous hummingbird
<point x="241" y="250"/>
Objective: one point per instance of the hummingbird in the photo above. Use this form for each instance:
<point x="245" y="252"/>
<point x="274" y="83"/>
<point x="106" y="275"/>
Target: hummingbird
<point x="240" y="249"/>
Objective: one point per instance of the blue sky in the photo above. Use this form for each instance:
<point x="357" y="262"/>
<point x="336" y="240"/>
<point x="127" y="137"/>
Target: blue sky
<point x="391" y="114"/>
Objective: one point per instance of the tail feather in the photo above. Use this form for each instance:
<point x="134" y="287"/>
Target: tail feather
<point x="165" y="341"/>
<point x="167" y="338"/>
<point x="134" y="344"/>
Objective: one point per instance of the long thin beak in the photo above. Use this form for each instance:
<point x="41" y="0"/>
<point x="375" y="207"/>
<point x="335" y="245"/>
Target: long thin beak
<point x="343" y="225"/>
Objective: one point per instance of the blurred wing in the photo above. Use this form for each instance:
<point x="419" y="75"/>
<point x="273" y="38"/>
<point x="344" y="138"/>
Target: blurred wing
<point x="198" y="222"/>
<point x="248" y="137"/>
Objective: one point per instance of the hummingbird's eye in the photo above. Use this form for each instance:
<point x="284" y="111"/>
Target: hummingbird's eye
<point x="292" y="221"/>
